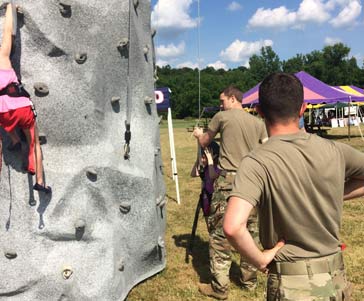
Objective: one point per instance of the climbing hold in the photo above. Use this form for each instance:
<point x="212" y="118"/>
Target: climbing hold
<point x="115" y="100"/>
<point x="41" y="89"/>
<point x="67" y="272"/>
<point x="161" y="243"/>
<point x="154" y="32"/>
<point x="65" y="2"/>
<point x="56" y="52"/>
<point x="63" y="298"/>
<point x="124" y="208"/>
<point x="91" y="174"/>
<point x="81" y="57"/>
<point x="146" y="49"/>
<point x="80" y="224"/>
<point x="20" y="10"/>
<point x="65" y="9"/>
<point x="157" y="150"/>
<point x="10" y="254"/>
<point x="136" y="3"/>
<point x="161" y="201"/>
<point x="148" y="100"/>
<point x="121" y="265"/>
<point x="123" y="43"/>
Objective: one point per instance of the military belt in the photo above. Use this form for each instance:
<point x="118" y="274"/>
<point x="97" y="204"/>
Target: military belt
<point x="225" y="173"/>
<point x="327" y="264"/>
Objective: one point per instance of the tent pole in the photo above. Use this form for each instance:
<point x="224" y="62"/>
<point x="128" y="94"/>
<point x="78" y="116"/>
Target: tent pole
<point x="309" y="116"/>
<point x="349" y="117"/>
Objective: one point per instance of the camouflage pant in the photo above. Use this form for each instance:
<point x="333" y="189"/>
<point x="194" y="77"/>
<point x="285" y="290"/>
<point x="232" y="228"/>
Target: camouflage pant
<point x="220" y="249"/>
<point x="324" y="287"/>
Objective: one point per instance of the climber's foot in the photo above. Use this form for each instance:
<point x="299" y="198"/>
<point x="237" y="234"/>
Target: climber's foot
<point x="42" y="188"/>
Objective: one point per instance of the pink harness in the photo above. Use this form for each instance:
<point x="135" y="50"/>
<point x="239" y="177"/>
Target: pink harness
<point x="8" y="103"/>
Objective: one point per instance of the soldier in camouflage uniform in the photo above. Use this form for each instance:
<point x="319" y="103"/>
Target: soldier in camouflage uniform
<point x="240" y="132"/>
<point x="297" y="182"/>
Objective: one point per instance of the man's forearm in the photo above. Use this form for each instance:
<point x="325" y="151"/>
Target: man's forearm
<point x="204" y="139"/>
<point x="354" y="188"/>
<point x="235" y="221"/>
<point x="243" y="242"/>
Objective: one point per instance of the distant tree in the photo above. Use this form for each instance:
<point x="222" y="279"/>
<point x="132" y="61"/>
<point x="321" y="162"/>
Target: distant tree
<point x="332" y="65"/>
<point x="294" y="64"/>
<point x="314" y="64"/>
<point x="264" y="64"/>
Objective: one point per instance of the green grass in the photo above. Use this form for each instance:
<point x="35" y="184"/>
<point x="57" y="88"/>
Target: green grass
<point x="179" y="280"/>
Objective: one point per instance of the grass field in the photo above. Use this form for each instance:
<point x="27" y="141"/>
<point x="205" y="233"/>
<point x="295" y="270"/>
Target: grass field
<point x="179" y="280"/>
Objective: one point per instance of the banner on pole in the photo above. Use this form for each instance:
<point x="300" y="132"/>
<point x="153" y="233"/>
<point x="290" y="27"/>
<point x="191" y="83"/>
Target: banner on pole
<point x="162" y="97"/>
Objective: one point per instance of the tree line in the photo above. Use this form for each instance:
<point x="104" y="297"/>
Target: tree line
<point x="331" y="65"/>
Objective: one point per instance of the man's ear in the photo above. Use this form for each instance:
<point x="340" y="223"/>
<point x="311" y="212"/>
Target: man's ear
<point x="303" y="109"/>
<point x="259" y="110"/>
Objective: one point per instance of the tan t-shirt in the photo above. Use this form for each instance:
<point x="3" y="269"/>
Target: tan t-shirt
<point x="297" y="183"/>
<point x="240" y="133"/>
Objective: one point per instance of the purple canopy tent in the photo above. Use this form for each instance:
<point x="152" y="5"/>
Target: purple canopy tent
<point x="315" y="92"/>
<point x="351" y="89"/>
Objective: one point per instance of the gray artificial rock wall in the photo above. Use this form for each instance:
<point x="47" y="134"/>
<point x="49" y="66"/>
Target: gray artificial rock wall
<point x="101" y="231"/>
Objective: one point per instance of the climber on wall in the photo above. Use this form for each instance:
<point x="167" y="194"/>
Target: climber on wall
<point x="16" y="108"/>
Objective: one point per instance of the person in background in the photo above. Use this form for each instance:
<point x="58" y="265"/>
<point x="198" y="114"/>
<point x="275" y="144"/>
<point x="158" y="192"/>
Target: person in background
<point x="298" y="193"/>
<point x="206" y="168"/>
<point x="240" y="133"/>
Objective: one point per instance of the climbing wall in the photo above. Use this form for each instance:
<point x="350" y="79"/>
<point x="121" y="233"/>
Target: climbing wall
<point x="89" y="67"/>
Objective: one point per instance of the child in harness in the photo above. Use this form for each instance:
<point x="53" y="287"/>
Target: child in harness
<point x="206" y="168"/>
<point x="16" y="108"/>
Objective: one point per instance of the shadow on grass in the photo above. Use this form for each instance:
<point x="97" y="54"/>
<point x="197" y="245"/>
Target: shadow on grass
<point x="199" y="255"/>
<point x="200" y="258"/>
<point x="339" y="137"/>
<point x="235" y="273"/>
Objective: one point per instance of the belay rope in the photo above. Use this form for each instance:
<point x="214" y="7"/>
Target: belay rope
<point x="127" y="134"/>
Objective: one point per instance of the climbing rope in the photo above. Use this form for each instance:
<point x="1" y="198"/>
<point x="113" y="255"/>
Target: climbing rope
<point x="127" y="135"/>
<point x="198" y="60"/>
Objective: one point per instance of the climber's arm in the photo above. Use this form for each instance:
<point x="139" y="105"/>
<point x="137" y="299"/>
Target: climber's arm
<point x="6" y="42"/>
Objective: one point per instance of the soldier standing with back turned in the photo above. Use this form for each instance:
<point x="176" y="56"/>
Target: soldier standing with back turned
<point x="297" y="181"/>
<point x="240" y="132"/>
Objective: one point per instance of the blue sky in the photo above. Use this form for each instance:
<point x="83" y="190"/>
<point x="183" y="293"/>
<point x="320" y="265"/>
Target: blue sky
<point x="232" y="31"/>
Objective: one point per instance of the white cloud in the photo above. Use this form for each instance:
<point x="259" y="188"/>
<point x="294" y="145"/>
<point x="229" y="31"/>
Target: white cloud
<point x="332" y="41"/>
<point x="234" y="6"/>
<point x="188" y="65"/>
<point x="162" y="63"/>
<point x="218" y="65"/>
<point x="309" y="11"/>
<point x="240" y="51"/>
<point x="277" y="17"/>
<point x="172" y="16"/>
<point x="347" y="16"/>
<point x="171" y="50"/>
<point x="312" y="11"/>
<point x="359" y="59"/>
